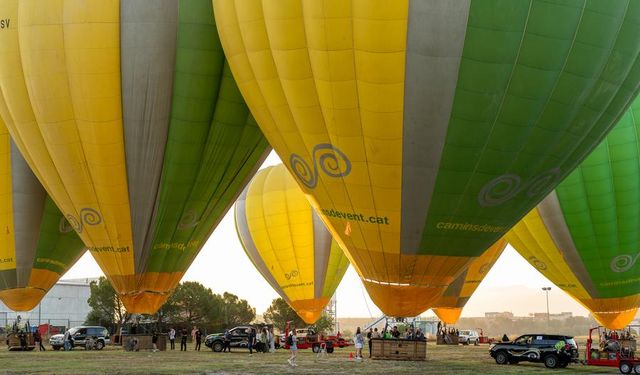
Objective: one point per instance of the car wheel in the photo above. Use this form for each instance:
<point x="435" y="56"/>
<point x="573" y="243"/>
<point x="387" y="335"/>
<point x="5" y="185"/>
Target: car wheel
<point x="316" y="348"/>
<point x="502" y="358"/>
<point x="551" y="361"/>
<point x="217" y="346"/>
<point x="636" y="369"/>
<point x="625" y="368"/>
<point x="100" y="345"/>
<point x="330" y="350"/>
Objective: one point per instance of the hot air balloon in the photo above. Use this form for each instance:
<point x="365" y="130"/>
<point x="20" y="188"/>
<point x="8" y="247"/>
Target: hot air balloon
<point x="421" y="131"/>
<point x="288" y="243"/>
<point x="449" y="307"/>
<point x="128" y="114"/>
<point x="584" y="235"/>
<point x="38" y="245"/>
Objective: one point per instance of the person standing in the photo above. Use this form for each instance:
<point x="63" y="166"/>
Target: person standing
<point x="292" y="341"/>
<point x="227" y="341"/>
<point x="193" y="334"/>
<point x="68" y="341"/>
<point x="172" y="338"/>
<point x="198" y="339"/>
<point x="359" y="341"/>
<point x="369" y="338"/>
<point x="183" y="340"/>
<point x="154" y="341"/>
<point x="251" y="341"/>
<point x="37" y="337"/>
<point x="272" y="340"/>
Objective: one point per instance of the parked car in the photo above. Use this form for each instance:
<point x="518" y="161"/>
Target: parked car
<point x="239" y="339"/>
<point x="469" y="336"/>
<point x="80" y="335"/>
<point x="552" y="350"/>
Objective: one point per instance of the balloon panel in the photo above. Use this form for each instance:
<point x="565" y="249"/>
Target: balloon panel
<point x="38" y="244"/>
<point x="421" y="131"/>
<point x="288" y="243"/>
<point x="582" y="235"/>
<point x="130" y="116"/>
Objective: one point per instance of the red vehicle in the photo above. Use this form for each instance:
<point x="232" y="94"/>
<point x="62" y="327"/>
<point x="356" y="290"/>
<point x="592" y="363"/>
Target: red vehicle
<point x="314" y="341"/>
<point x="613" y="349"/>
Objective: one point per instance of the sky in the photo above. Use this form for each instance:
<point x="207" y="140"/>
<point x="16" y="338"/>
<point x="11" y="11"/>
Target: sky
<point x="511" y="285"/>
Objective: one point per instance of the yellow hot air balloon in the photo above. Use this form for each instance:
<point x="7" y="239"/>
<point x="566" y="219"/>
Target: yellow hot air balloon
<point x="449" y="307"/>
<point x="128" y="114"/>
<point x="288" y="243"/>
<point x="584" y="236"/>
<point x="38" y="245"/>
<point x="421" y="131"/>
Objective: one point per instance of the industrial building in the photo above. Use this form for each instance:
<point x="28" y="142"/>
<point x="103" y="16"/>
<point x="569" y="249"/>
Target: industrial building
<point x="65" y="306"/>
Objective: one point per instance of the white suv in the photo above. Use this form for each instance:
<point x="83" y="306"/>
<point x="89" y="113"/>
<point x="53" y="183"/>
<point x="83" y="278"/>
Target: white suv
<point x="469" y="336"/>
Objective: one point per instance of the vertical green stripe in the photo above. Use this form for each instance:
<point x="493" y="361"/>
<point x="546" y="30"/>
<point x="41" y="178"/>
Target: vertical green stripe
<point x="213" y="144"/>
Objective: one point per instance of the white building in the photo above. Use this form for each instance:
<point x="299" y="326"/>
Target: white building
<point x="65" y="305"/>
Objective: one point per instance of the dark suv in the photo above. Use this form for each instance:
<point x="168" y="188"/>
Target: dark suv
<point x="553" y="350"/>
<point x="239" y="339"/>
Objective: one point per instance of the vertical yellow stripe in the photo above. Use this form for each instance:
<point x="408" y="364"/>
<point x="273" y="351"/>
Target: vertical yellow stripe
<point x="7" y="247"/>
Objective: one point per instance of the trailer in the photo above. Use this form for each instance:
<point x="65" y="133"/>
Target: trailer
<point x="613" y="349"/>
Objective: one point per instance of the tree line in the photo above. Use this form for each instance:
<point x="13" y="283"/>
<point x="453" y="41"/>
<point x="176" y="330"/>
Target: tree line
<point x="191" y="304"/>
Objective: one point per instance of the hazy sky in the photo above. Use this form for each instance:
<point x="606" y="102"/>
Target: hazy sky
<point x="511" y="285"/>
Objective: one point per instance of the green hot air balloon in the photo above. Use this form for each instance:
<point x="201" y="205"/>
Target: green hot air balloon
<point x="38" y="244"/>
<point x="584" y="236"/>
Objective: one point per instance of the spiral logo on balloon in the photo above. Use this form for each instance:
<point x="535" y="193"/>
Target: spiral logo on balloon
<point x="505" y="187"/>
<point x="291" y="274"/>
<point x="623" y="263"/>
<point x="537" y="263"/>
<point x="326" y="158"/>
<point x="188" y="220"/>
<point x="90" y="216"/>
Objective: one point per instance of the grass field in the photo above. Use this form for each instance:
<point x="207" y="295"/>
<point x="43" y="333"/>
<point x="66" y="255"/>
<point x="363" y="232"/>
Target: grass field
<point x="112" y="360"/>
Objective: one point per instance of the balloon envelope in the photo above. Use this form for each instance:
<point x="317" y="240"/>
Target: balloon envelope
<point x="128" y="113"/>
<point x="584" y="236"/>
<point x="38" y="245"/>
<point x="288" y="243"/>
<point x="449" y="307"/>
<point x="423" y="130"/>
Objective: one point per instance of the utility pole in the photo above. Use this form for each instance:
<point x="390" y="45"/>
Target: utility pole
<point x="546" y="290"/>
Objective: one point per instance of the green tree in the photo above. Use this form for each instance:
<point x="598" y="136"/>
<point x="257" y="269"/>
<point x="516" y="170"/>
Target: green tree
<point x="279" y="313"/>
<point x="194" y="304"/>
<point x="106" y="307"/>
<point x="190" y="304"/>
<point x="236" y="311"/>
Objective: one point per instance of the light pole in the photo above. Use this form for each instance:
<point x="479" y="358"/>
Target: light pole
<point x="546" y="291"/>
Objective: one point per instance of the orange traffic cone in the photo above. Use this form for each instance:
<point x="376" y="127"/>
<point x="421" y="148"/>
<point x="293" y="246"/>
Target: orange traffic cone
<point x="351" y="356"/>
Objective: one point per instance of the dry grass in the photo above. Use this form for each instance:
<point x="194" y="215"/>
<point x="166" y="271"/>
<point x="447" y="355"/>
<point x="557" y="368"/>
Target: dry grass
<point x="112" y="360"/>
